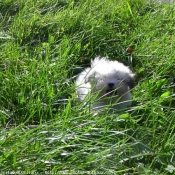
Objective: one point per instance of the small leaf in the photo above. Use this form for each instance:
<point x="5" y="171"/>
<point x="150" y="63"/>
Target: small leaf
<point x="166" y="94"/>
<point x="124" y="116"/>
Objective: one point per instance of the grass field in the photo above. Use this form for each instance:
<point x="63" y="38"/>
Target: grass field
<point x="44" y="45"/>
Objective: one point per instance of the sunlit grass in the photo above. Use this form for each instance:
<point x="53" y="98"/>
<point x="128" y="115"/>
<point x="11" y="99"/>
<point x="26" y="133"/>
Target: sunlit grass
<point x="44" y="45"/>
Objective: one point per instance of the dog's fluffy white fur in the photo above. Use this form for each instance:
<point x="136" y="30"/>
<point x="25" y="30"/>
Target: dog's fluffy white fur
<point x="109" y="83"/>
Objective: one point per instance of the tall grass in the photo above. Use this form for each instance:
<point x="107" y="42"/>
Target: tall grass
<point x="44" y="45"/>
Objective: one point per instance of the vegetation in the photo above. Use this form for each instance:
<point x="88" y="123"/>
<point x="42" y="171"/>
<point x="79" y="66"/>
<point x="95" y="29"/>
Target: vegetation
<point x="44" y="45"/>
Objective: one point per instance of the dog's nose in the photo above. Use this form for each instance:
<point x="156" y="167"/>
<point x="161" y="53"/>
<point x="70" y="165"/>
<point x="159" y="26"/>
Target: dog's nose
<point x="111" y="85"/>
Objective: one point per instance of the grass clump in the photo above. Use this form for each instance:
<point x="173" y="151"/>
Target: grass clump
<point x="44" y="45"/>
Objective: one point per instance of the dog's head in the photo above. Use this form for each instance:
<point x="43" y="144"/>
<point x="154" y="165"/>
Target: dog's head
<point x="109" y="77"/>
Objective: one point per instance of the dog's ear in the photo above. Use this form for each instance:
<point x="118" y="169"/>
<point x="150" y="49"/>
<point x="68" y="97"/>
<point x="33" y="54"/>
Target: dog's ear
<point x="130" y="81"/>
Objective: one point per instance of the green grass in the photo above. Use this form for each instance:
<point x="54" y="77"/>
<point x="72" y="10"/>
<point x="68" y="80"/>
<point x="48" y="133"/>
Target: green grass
<point x="43" y="46"/>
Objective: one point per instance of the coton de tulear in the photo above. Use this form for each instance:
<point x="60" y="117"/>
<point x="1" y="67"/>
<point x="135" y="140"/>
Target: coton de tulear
<point x="107" y="82"/>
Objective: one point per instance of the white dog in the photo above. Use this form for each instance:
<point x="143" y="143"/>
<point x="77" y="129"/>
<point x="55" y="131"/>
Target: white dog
<point x="107" y="82"/>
